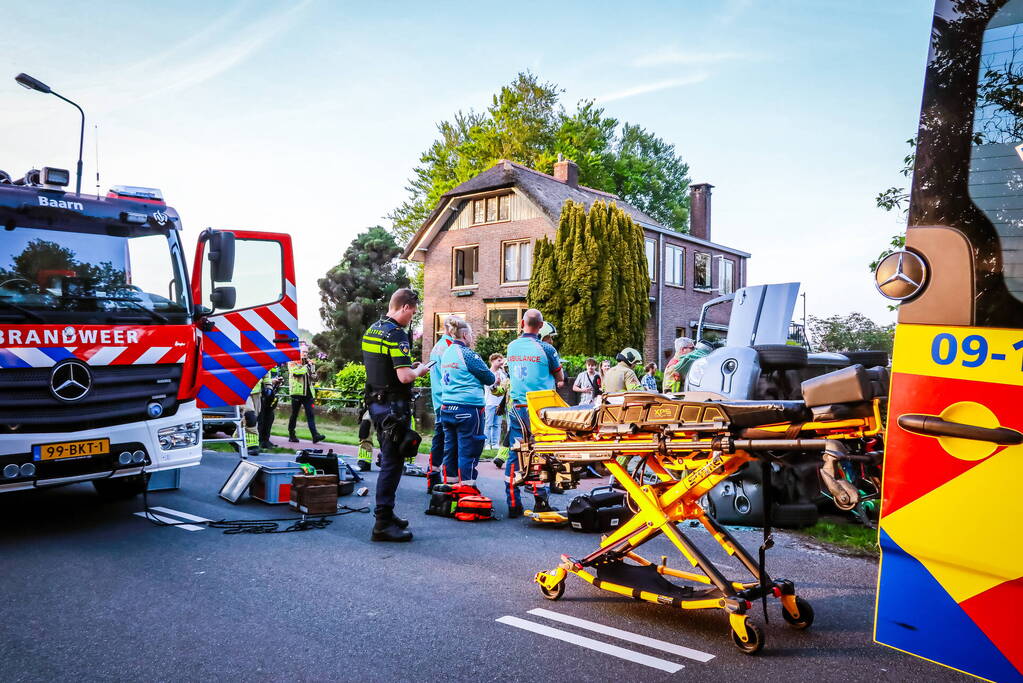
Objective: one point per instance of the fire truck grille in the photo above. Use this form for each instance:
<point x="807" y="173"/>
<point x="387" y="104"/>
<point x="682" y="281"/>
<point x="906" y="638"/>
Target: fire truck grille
<point x="119" y="393"/>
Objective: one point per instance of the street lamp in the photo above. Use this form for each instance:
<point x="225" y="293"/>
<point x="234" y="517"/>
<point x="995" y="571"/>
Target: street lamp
<point x="27" y="81"/>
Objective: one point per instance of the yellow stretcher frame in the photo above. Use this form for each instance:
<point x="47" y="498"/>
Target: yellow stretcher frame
<point x="673" y="499"/>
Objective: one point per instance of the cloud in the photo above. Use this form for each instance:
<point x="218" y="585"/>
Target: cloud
<point x="674" y="56"/>
<point x="652" y="87"/>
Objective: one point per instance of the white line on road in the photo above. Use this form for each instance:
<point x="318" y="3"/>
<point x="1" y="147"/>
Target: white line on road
<point x="182" y="515"/>
<point x="625" y="635"/>
<point x="168" y="520"/>
<point x="591" y="644"/>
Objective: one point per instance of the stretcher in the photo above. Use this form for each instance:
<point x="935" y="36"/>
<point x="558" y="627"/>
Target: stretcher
<point x="691" y="443"/>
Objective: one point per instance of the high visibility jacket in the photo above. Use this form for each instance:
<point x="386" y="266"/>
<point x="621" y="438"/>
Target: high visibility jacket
<point x="621" y="377"/>
<point x="299" y="379"/>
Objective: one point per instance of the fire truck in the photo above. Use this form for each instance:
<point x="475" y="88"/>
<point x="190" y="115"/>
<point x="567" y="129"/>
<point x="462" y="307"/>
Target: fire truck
<point x="108" y="349"/>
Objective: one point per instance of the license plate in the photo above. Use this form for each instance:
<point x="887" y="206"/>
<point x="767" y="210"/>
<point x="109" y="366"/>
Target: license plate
<point x="71" y="449"/>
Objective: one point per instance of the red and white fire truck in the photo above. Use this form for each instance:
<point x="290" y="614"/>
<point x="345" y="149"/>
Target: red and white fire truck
<point x="108" y="349"/>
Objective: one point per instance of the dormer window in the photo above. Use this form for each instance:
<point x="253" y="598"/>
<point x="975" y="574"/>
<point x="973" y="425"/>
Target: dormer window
<point x="491" y="209"/>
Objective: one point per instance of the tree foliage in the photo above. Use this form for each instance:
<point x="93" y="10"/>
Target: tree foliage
<point x="592" y="281"/>
<point x="355" y="292"/>
<point x="853" y="332"/>
<point x="526" y="123"/>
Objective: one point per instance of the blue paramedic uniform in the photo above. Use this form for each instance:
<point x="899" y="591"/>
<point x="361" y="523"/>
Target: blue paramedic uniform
<point x="436" y="396"/>
<point x="532" y="365"/>
<point x="463" y="374"/>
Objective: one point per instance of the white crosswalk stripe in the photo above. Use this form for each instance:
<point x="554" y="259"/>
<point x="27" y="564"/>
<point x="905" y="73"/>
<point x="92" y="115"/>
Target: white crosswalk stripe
<point x="592" y="644"/>
<point x="176" y="520"/>
<point x="654" y="643"/>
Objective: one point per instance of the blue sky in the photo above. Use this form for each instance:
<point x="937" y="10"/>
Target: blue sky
<point x="308" y="117"/>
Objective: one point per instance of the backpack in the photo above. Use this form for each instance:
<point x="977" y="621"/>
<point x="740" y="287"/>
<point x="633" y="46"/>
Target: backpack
<point x="460" y="501"/>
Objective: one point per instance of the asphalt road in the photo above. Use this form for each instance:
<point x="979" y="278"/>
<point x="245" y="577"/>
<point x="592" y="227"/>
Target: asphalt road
<point x="94" y="592"/>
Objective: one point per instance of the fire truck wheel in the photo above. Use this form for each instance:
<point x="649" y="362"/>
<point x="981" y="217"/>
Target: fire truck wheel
<point x="120" y="488"/>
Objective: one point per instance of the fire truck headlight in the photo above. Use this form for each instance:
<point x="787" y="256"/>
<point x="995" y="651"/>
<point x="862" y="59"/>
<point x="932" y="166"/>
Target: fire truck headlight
<point x="179" y="436"/>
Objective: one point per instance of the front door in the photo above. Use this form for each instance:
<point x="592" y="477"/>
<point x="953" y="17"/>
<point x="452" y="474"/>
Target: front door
<point x="240" y="344"/>
<point x="951" y="526"/>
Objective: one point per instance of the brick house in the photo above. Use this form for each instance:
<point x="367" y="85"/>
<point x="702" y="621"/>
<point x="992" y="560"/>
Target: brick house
<point x="476" y="249"/>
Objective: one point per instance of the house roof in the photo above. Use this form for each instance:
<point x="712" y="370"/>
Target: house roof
<point x="548" y="193"/>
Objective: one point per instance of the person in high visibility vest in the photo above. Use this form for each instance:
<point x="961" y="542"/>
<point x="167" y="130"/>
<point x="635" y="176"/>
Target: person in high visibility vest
<point x="622" y="377"/>
<point x="300" y="384"/>
<point x="269" y="386"/>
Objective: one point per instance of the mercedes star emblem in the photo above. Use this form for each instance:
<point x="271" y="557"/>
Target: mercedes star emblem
<point x="70" y="380"/>
<point x="900" y="275"/>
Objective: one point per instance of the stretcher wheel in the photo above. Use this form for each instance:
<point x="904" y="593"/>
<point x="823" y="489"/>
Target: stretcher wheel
<point x="755" y="642"/>
<point x="805" y="615"/>
<point x="553" y="593"/>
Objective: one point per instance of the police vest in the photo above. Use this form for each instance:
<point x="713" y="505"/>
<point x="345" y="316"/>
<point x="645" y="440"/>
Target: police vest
<point x="385" y="347"/>
<point x="528" y="367"/>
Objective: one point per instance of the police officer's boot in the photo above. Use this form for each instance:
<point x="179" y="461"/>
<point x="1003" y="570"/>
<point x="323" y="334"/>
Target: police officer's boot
<point x="387" y="528"/>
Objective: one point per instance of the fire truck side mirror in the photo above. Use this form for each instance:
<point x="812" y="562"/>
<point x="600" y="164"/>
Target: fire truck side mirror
<point x="221" y="257"/>
<point x="223" y="298"/>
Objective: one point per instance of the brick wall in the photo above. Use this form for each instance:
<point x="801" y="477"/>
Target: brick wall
<point x="679" y="307"/>
<point x="438" y="294"/>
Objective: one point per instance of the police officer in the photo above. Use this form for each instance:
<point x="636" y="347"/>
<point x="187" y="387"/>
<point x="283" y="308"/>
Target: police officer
<point x="300" y="385"/>
<point x="269" y="386"/>
<point x="390" y="373"/>
<point x="433" y="473"/>
<point x="622" y="377"/>
<point x="533" y="365"/>
<point x="464" y="374"/>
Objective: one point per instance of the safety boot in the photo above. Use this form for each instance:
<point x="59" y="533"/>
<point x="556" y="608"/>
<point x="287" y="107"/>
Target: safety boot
<point x="542" y="504"/>
<point x="364" y="466"/>
<point x="388" y="528"/>
<point x="292" y="438"/>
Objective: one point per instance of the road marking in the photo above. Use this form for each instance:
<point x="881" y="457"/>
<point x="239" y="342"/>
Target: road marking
<point x="591" y="644"/>
<point x="182" y="515"/>
<point x="625" y="635"/>
<point x="168" y="520"/>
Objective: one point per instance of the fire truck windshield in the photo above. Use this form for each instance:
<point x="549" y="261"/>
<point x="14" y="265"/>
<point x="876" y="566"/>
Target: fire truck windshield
<point x="57" y="275"/>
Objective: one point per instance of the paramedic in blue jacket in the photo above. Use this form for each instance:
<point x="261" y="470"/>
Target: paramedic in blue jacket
<point x="433" y="474"/>
<point x="533" y="365"/>
<point x="463" y="375"/>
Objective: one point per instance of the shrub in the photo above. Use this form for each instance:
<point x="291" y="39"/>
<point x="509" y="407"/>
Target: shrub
<point x="350" y="381"/>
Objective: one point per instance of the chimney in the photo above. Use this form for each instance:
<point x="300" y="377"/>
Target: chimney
<point x="699" y="210"/>
<point x="566" y="171"/>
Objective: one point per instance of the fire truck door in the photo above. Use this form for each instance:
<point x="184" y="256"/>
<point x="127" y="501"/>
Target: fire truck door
<point x="242" y="339"/>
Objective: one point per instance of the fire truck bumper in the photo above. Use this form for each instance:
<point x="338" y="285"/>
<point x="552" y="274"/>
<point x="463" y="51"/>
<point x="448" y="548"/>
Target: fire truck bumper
<point x="31" y="460"/>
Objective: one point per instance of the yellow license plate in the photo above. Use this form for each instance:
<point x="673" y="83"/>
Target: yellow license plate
<point x="71" y="449"/>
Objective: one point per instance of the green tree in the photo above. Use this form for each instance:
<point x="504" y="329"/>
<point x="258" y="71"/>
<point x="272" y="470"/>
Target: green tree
<point x="355" y="292"/>
<point x="526" y="123"/>
<point x="592" y="280"/>
<point x="853" y="332"/>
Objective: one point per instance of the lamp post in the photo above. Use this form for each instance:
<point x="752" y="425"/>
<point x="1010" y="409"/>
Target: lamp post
<point x="27" y="81"/>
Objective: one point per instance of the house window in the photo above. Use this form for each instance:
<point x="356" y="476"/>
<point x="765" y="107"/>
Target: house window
<point x="518" y="261"/>
<point x="491" y="209"/>
<point x="727" y="276"/>
<point x="438" y="324"/>
<point x="651" y="259"/>
<point x="674" y="265"/>
<point x="465" y="266"/>
<point x="505" y="317"/>
<point x="701" y="271"/>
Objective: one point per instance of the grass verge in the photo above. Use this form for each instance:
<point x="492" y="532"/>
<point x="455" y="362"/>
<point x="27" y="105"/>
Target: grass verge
<point x="854" y="537"/>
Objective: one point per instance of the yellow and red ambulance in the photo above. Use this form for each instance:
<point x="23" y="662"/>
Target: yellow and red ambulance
<point x="951" y="576"/>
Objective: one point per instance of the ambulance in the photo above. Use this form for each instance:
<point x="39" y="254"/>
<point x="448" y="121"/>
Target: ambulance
<point x="951" y="578"/>
<point x="108" y="349"/>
